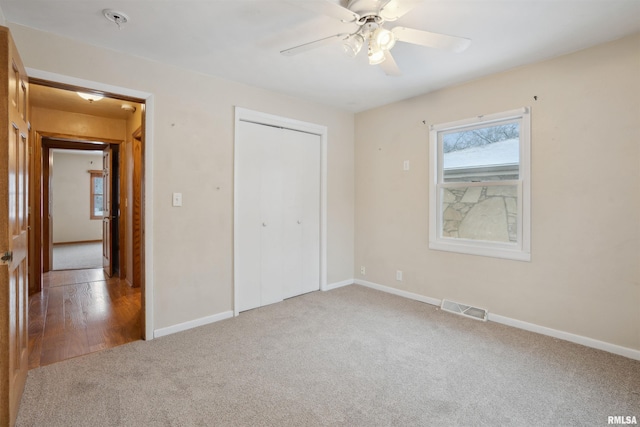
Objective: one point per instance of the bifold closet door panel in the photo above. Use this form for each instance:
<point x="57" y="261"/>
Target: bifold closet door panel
<point x="301" y="211"/>
<point x="257" y="269"/>
<point x="291" y="212"/>
<point x="248" y="227"/>
<point x="271" y="200"/>
<point x="311" y="215"/>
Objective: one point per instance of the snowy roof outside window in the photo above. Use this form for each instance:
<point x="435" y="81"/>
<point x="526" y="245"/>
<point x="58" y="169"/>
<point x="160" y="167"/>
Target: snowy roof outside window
<point x="497" y="153"/>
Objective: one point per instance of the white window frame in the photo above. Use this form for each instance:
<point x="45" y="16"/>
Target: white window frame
<point x="520" y="250"/>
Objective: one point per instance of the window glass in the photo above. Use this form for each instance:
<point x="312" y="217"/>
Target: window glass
<point x="489" y="153"/>
<point x="97" y="185"/>
<point x="481" y="213"/>
<point x="97" y="195"/>
<point x="97" y="205"/>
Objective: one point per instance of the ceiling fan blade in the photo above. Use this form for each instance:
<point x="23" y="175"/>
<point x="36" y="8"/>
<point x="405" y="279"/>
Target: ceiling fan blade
<point x="394" y="9"/>
<point x="327" y="8"/>
<point x="428" y="39"/>
<point x="389" y="65"/>
<point x="312" y="45"/>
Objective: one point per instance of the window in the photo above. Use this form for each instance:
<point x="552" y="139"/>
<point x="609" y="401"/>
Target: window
<point x="479" y="186"/>
<point x="97" y="195"/>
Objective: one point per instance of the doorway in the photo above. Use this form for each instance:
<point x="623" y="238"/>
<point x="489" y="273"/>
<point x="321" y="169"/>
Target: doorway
<point x="64" y="123"/>
<point x="75" y="237"/>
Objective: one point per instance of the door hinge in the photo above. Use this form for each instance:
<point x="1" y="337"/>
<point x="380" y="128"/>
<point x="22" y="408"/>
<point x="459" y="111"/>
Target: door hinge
<point x="6" y="258"/>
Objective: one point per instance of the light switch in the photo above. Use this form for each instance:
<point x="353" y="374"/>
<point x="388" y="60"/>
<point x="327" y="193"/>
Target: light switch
<point x="405" y="165"/>
<point x="177" y="199"/>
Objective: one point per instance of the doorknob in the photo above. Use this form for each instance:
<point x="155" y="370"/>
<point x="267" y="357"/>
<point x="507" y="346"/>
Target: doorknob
<point x="264" y="224"/>
<point x="6" y="258"/>
<point x="299" y="222"/>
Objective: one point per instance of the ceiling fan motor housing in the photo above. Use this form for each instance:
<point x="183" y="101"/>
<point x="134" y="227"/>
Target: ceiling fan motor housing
<point x="364" y="8"/>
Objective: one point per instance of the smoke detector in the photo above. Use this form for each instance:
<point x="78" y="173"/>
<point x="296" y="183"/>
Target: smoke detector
<point x="118" y="18"/>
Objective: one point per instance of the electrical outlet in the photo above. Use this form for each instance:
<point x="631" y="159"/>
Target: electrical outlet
<point x="362" y="270"/>
<point x="399" y="275"/>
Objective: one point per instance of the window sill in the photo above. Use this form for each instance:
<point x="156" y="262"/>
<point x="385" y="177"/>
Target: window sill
<point x="497" y="251"/>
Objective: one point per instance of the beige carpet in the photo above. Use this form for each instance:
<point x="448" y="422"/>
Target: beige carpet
<point x="74" y="256"/>
<point x="352" y="356"/>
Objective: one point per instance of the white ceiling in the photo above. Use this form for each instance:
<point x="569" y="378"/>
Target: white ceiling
<point x="241" y="39"/>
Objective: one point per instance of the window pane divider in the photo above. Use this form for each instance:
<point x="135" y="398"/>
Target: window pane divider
<point x="464" y="184"/>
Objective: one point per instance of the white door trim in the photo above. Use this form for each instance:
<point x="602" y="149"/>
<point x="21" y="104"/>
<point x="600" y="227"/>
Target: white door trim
<point x="148" y="173"/>
<point x="246" y="115"/>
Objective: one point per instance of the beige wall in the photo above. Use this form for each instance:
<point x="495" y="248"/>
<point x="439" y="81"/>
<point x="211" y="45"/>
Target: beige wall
<point x="584" y="276"/>
<point x="72" y="198"/>
<point x="193" y="154"/>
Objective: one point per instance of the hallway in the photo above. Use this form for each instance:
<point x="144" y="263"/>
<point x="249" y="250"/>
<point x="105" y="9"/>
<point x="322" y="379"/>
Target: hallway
<point x="80" y="312"/>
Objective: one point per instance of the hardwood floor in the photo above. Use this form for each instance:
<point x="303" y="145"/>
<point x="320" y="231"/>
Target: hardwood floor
<point x="79" y="312"/>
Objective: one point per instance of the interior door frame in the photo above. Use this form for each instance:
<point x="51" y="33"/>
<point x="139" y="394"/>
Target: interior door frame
<point x="66" y="82"/>
<point x="48" y="142"/>
<point x="136" y="198"/>
<point x="247" y="115"/>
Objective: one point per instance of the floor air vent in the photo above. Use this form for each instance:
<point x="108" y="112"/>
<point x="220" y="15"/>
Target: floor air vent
<point x="464" y="310"/>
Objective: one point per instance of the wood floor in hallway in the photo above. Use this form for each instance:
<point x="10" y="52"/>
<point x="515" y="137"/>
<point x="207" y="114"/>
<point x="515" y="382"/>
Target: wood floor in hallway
<point x="79" y="312"/>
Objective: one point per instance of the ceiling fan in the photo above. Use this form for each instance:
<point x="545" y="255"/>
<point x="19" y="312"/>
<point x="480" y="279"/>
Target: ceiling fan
<point x="370" y="16"/>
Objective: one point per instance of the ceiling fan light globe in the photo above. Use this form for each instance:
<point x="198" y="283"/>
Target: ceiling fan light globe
<point x="353" y="45"/>
<point x="376" y="56"/>
<point x="384" y="38"/>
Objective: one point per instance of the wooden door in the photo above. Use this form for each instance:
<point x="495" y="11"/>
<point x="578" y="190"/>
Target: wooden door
<point x="47" y="229"/>
<point x="14" y="182"/>
<point x="106" y="209"/>
<point x="137" y="209"/>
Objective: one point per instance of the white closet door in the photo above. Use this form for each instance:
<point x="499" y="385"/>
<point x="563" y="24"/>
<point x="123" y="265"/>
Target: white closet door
<point x="292" y="216"/>
<point x="258" y="232"/>
<point x="311" y="214"/>
<point x="301" y="213"/>
<point x="248" y="230"/>
<point x="278" y="220"/>
<point x="271" y="199"/>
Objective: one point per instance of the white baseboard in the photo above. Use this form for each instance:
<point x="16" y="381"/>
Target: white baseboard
<point x="336" y="285"/>
<point x="192" y="324"/>
<point x="390" y="290"/>
<point x="566" y="336"/>
<point x="543" y="330"/>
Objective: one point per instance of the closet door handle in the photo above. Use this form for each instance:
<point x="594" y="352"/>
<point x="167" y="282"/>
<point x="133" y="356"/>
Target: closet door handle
<point x="299" y="222"/>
